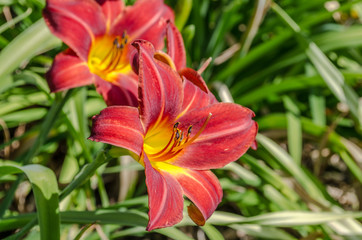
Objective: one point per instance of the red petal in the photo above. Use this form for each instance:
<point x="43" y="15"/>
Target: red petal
<point x="196" y="93"/>
<point x="119" y="126"/>
<point x="113" y="10"/>
<point x="175" y="46"/>
<point x="164" y="198"/>
<point x="194" y="97"/>
<point x="203" y="189"/>
<point x="121" y="92"/>
<point x="160" y="87"/>
<point x="146" y="20"/>
<point x="195" y="78"/>
<point x="227" y="136"/>
<point x="254" y="145"/>
<point x="75" y="22"/>
<point x="68" y="71"/>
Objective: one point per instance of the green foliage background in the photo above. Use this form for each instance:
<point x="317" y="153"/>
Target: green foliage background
<point x="296" y="64"/>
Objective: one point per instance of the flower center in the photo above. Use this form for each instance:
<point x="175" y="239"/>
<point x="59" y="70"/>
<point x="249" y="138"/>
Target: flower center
<point x="176" y="143"/>
<point x="108" y="57"/>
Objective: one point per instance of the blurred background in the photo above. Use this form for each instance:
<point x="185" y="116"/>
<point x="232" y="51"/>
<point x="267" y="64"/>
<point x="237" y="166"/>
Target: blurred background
<point x="296" y="64"/>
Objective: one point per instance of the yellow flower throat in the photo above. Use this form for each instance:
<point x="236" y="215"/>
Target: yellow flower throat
<point x="108" y="57"/>
<point x="160" y="148"/>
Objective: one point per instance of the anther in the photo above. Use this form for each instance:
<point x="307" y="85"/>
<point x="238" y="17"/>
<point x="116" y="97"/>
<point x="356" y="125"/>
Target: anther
<point x="176" y="125"/>
<point x="177" y="134"/>
<point x="182" y="137"/>
<point x="115" y="42"/>
<point x="189" y="130"/>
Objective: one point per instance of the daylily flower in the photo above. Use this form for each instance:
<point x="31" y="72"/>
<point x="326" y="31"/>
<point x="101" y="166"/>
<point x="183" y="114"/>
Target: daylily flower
<point x="98" y="34"/>
<point x="178" y="132"/>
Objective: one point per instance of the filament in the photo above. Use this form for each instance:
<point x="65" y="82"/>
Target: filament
<point x="178" y="141"/>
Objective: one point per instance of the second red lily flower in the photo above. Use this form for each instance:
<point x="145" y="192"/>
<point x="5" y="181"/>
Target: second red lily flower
<point x="98" y="34"/>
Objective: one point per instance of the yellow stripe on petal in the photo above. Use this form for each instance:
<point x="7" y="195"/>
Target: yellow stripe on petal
<point x="172" y="169"/>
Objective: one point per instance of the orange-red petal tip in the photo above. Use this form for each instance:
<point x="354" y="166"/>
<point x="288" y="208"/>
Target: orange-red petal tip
<point x="196" y="215"/>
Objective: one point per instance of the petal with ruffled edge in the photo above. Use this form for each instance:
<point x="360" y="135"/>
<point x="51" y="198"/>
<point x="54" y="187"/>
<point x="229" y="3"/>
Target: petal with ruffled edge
<point x="68" y="71"/>
<point x="160" y="87"/>
<point x="227" y="136"/>
<point x="123" y="91"/>
<point x="113" y="11"/>
<point x="146" y="20"/>
<point x="201" y="187"/>
<point x="119" y="126"/>
<point x="175" y="46"/>
<point x="77" y="23"/>
<point x="165" y="199"/>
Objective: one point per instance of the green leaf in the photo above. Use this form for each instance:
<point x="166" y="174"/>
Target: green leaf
<point x="330" y="74"/>
<point x="262" y="232"/>
<point x="15" y="20"/>
<point x="317" y="107"/>
<point x="127" y="218"/>
<point x="173" y="233"/>
<point x="82" y="231"/>
<point x="26" y="45"/>
<point x="284" y="218"/>
<point x="249" y="177"/>
<point x="286" y="161"/>
<point x="182" y="12"/>
<point x="45" y="189"/>
<point x="295" y="138"/>
<point x="212" y="232"/>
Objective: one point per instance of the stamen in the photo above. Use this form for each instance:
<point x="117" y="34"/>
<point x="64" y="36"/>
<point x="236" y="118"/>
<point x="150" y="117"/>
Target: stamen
<point x="116" y="43"/>
<point x="177" y="135"/>
<point x="115" y="57"/>
<point x="112" y="60"/>
<point x="179" y="143"/>
<point x="197" y="134"/>
<point x="189" y="130"/>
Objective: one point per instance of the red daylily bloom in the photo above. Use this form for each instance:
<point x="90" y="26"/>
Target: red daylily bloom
<point x="98" y="34"/>
<point x="180" y="132"/>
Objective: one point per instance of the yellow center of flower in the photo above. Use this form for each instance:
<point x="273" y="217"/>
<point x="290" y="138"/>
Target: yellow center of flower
<point x="108" y="57"/>
<point x="163" y="144"/>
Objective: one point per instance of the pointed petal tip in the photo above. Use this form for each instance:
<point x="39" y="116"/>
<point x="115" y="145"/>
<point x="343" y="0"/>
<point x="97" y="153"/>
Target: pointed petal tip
<point x="175" y="45"/>
<point x="254" y="145"/>
<point x="136" y="55"/>
<point x="154" y="225"/>
<point x="140" y="42"/>
<point x="195" y="78"/>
